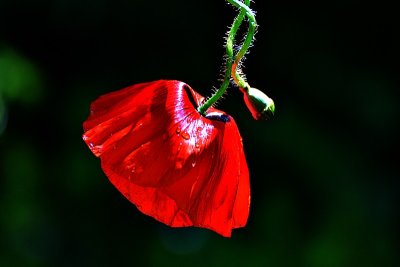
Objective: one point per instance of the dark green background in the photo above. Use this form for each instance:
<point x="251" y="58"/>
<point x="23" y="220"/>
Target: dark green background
<point x="323" y="175"/>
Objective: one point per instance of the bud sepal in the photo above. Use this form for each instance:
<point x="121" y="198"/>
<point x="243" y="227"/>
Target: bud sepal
<point x="259" y="104"/>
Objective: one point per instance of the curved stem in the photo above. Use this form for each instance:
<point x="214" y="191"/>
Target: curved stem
<point x="239" y="80"/>
<point x="245" y="10"/>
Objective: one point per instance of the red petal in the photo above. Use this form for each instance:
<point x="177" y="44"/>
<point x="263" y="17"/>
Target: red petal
<point x="175" y="165"/>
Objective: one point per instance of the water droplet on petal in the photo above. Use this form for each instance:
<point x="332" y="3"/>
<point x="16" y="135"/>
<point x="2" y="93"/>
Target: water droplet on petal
<point x="185" y="135"/>
<point x="193" y="163"/>
<point x="197" y="145"/>
<point x="178" y="130"/>
<point x="178" y="164"/>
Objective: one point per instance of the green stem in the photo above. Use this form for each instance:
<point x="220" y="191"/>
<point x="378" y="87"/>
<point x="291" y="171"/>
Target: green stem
<point x="239" y="80"/>
<point x="245" y="10"/>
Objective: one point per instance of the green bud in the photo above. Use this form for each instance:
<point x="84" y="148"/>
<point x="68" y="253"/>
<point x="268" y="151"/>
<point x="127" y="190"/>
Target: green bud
<point x="260" y="105"/>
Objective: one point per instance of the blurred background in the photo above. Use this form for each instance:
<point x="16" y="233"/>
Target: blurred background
<point x="324" y="177"/>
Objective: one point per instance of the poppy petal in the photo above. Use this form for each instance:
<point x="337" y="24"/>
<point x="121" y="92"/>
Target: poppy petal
<point x="175" y="165"/>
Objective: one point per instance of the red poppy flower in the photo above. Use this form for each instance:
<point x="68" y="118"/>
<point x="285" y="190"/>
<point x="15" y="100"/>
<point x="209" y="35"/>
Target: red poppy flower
<point x="174" y="164"/>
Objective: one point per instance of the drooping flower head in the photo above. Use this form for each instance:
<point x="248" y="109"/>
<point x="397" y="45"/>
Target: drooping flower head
<point x="171" y="153"/>
<point x="174" y="164"/>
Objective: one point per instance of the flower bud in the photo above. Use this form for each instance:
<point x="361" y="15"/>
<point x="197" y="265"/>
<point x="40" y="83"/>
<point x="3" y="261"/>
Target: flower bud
<point x="260" y="105"/>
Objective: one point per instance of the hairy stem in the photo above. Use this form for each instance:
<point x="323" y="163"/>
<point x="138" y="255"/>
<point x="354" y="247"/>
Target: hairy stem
<point x="231" y="61"/>
<point x="239" y="80"/>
